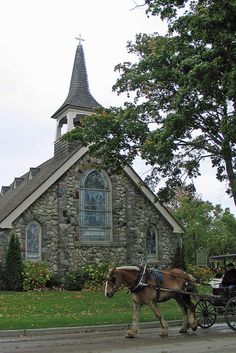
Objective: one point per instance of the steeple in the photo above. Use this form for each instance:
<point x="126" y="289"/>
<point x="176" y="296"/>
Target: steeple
<point x="79" y="101"/>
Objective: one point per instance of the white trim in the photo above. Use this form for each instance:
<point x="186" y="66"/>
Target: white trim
<point x="7" y="222"/>
<point x="140" y="184"/>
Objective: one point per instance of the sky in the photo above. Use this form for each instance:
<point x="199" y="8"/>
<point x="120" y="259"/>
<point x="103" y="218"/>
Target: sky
<point x="37" y="49"/>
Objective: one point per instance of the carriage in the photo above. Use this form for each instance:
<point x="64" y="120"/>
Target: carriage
<point x="153" y="287"/>
<point x="221" y="302"/>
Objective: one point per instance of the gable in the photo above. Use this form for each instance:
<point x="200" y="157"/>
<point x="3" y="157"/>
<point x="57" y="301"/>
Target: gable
<point x="15" y="201"/>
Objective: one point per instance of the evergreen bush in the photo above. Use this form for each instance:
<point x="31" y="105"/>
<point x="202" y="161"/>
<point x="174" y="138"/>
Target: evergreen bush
<point x="13" y="279"/>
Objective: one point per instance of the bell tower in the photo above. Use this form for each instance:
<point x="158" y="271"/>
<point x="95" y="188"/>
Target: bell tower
<point x="79" y="101"/>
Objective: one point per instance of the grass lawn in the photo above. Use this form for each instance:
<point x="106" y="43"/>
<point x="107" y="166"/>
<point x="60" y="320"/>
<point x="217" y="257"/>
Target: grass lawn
<point x="23" y="310"/>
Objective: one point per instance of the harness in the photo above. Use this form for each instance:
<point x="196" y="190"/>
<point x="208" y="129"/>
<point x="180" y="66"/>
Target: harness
<point x="157" y="277"/>
<point x="140" y="282"/>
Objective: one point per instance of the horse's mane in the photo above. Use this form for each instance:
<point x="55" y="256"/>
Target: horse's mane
<point x="127" y="268"/>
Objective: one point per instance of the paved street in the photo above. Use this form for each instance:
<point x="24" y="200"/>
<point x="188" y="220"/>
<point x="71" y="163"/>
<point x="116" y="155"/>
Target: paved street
<point x="217" y="339"/>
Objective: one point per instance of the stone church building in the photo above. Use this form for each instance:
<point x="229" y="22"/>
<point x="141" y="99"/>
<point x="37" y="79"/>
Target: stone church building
<point x="67" y="212"/>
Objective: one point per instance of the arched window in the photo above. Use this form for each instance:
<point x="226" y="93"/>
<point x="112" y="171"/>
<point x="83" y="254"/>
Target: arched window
<point x="33" y="241"/>
<point x="95" y="206"/>
<point x="152" y="243"/>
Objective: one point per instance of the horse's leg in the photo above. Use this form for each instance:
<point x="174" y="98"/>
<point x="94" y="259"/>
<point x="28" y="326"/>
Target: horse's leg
<point x="192" y="322"/>
<point x="186" y="307"/>
<point x="163" y="323"/>
<point x="179" y="299"/>
<point x="134" y="329"/>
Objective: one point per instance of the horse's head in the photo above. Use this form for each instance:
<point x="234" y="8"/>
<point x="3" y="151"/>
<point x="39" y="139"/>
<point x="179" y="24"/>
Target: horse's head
<point x="113" y="282"/>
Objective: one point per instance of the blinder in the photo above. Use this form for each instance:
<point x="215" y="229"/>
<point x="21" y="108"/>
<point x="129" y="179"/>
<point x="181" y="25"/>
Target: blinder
<point x="111" y="281"/>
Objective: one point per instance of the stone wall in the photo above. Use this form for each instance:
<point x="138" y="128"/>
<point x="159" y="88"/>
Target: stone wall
<point x="57" y="212"/>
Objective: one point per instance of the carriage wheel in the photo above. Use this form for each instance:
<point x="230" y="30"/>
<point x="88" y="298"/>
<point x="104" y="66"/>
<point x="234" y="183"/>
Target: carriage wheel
<point x="230" y="313"/>
<point x="205" y="313"/>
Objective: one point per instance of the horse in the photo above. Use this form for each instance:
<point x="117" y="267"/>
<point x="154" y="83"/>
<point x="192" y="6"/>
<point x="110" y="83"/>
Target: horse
<point x="152" y="288"/>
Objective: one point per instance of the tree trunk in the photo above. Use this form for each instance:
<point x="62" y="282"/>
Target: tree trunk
<point x="231" y="176"/>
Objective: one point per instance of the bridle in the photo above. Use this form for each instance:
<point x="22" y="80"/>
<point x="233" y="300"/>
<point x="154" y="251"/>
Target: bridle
<point x="111" y="280"/>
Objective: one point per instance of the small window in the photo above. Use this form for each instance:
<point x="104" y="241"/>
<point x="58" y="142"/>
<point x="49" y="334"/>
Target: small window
<point x="33" y="241"/>
<point x="95" y="215"/>
<point x="151" y="243"/>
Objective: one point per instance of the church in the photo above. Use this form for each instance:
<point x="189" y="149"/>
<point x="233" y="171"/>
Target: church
<point x="68" y="212"/>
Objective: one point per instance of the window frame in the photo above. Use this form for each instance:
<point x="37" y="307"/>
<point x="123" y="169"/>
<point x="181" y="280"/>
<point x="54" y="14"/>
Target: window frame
<point x="39" y="257"/>
<point x="107" y="229"/>
<point x="152" y="256"/>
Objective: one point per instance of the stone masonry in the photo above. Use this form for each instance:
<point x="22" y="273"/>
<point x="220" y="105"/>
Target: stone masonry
<point x="57" y="212"/>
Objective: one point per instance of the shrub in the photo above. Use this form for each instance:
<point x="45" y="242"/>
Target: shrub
<point x="95" y="275"/>
<point x="35" y="275"/>
<point x="1" y="277"/>
<point x="13" y="280"/>
<point x="54" y="281"/>
<point x="202" y="274"/>
<point x="74" y="280"/>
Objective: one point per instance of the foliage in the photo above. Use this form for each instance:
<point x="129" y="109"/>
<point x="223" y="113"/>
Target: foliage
<point x="205" y="226"/>
<point x="202" y="274"/>
<point x="74" y="280"/>
<point x="55" y="281"/>
<point x="91" y="276"/>
<point x="184" y="89"/>
<point x="95" y="275"/>
<point x="1" y="277"/>
<point x="35" y="275"/>
<point x="13" y="280"/>
<point x="179" y="260"/>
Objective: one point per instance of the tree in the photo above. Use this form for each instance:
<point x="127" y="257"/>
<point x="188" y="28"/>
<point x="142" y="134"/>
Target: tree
<point x="184" y="89"/>
<point x="206" y="226"/>
<point x="13" y="267"/>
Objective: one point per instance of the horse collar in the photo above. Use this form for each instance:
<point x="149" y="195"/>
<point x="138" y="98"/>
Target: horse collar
<point x="139" y="284"/>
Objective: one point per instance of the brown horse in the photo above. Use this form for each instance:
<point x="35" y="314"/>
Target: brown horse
<point x="150" y="289"/>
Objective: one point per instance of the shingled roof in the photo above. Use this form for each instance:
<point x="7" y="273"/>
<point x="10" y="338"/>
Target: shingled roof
<point x="17" y="198"/>
<point x="79" y="95"/>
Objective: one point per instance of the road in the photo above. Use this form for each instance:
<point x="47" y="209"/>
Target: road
<point x="217" y="339"/>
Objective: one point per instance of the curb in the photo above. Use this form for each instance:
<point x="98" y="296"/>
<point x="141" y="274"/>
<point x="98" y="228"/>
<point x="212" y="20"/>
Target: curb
<point x="81" y="329"/>
<point x="88" y="329"/>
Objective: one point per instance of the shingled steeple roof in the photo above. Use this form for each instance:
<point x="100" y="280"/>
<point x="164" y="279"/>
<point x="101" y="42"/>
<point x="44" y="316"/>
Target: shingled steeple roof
<point x="79" y="95"/>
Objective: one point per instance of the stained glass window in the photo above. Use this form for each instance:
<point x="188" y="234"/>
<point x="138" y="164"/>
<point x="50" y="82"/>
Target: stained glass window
<point x="151" y="242"/>
<point x="33" y="241"/>
<point x="94" y="207"/>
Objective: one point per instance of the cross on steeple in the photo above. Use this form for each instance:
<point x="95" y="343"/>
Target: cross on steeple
<point x="80" y="39"/>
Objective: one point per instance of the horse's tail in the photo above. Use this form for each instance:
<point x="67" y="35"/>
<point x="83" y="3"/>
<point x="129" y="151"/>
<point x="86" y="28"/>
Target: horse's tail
<point x="191" y="287"/>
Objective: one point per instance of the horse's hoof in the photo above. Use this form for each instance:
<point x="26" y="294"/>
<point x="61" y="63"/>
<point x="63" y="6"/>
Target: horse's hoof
<point x="194" y="328"/>
<point x="129" y="334"/>
<point x="163" y="334"/>
<point x="183" y="330"/>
